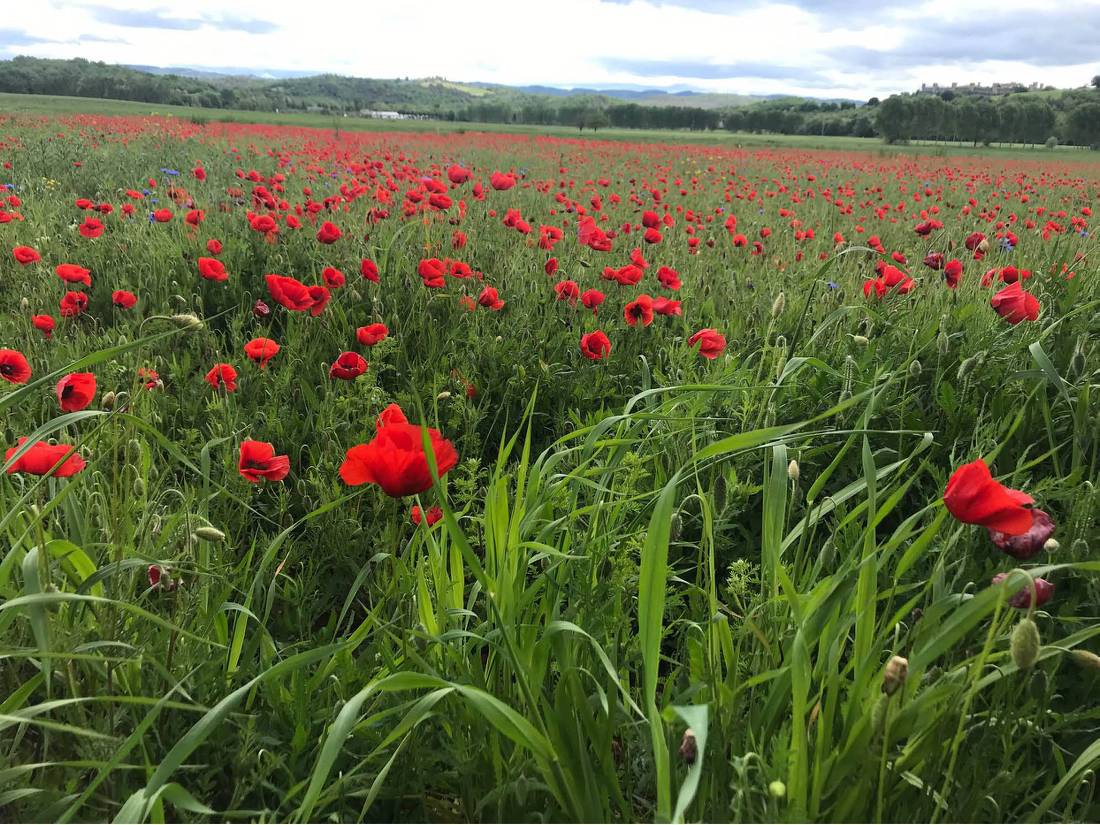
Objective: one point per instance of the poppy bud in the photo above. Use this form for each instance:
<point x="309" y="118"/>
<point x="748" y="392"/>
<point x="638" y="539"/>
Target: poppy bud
<point x="24" y="304"/>
<point x="187" y="321"/>
<point x="1080" y="548"/>
<point x="676" y="526"/>
<point x="1051" y="545"/>
<point x="793" y="470"/>
<point x="943" y="344"/>
<point x="1086" y="658"/>
<point x="777" y="789"/>
<point x="915" y="369"/>
<point x="878" y="715"/>
<point x="862" y="340"/>
<point x="970" y="364"/>
<point x="210" y="534"/>
<point x="139" y="487"/>
<point x="778" y="305"/>
<point x="689" y="748"/>
<point x="443" y="396"/>
<point x="897" y="671"/>
<point x="108" y="401"/>
<point x="1025" y="644"/>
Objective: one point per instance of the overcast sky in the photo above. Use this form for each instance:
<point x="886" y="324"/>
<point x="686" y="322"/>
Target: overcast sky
<point x="824" y="48"/>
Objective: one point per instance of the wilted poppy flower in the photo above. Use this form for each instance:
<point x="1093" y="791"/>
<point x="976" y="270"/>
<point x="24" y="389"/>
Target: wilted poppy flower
<point x="42" y="457"/>
<point x="76" y="391"/>
<point x="934" y="260"/>
<point x="260" y="309"/>
<point x="640" y="310"/>
<point x="333" y="277"/>
<point x="150" y="377"/>
<point x="261" y="350"/>
<point x="1015" y="305"/>
<point x="329" y="233"/>
<point x="73" y="303"/>
<point x="710" y="341"/>
<point x="1026" y="545"/>
<point x="371" y="334"/>
<point x="123" y="299"/>
<point x="973" y="496"/>
<point x="369" y="270"/>
<point x="73" y="274"/>
<point x="595" y="345"/>
<point x="258" y="461"/>
<point x="14" y="367"/>
<point x="395" y="459"/>
<point x="212" y="269"/>
<point x="433" y="515"/>
<point x="348" y="366"/>
<point x="222" y="375"/>
<point x="25" y="255"/>
<point x="91" y="228"/>
<point x="44" y="324"/>
<point x="1023" y="598"/>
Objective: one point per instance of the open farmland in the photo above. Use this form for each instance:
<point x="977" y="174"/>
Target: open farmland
<point x="410" y="476"/>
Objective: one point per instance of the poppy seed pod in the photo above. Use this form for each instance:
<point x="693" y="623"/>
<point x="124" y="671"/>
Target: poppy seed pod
<point x="1025" y="644"/>
<point x="897" y="671"/>
<point x="689" y="748"/>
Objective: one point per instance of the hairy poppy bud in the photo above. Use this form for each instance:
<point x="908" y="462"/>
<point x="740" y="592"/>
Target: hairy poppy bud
<point x="943" y="343"/>
<point x="777" y="789"/>
<point x="24" y="303"/>
<point x="970" y="364"/>
<point x="443" y="396"/>
<point x="1086" y="658"/>
<point x="108" y="401"/>
<point x="675" y="526"/>
<point x="210" y="534"/>
<point x="862" y="340"/>
<point x="878" y="715"/>
<point x="1051" y="545"/>
<point x="139" y="487"/>
<point x="915" y="369"/>
<point x="778" y="305"/>
<point x="187" y="321"/>
<point x="689" y="748"/>
<point x="897" y="671"/>
<point x="793" y="470"/>
<point x="1025" y="644"/>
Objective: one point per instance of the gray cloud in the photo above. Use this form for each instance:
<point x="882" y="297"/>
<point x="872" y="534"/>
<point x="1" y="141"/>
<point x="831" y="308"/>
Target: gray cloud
<point x="158" y="20"/>
<point x="823" y="8"/>
<point x="10" y="38"/>
<point x="1066" y="39"/>
<point x="802" y="76"/>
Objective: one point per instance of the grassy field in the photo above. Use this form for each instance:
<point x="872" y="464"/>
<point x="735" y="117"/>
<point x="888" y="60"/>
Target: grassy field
<point x="697" y="526"/>
<point x="56" y="105"/>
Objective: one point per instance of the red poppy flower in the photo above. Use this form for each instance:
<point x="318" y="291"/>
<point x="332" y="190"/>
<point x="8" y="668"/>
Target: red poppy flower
<point x="1015" y="305"/>
<point x="551" y="266"/>
<point x="952" y="272"/>
<point x="591" y="299"/>
<point x="329" y="233"/>
<point x="195" y="217"/>
<point x="652" y="236"/>
<point x="44" y="324"/>
<point x="222" y="375"/>
<point x="456" y="174"/>
<point x="151" y="378"/>
<point x="395" y="459"/>
<point x="26" y="255"/>
<point x="123" y="299"/>
<point x="595" y="345"/>
<point x="76" y="391"/>
<point x="669" y="278"/>
<point x="262" y="223"/>
<point x="320" y="296"/>
<point x="567" y="291"/>
<point x="433" y="515"/>
<point x="212" y="269"/>
<point x="333" y="277"/>
<point x="974" y="497"/>
<point x="258" y="460"/>
<point x="91" y="228"/>
<point x="73" y="274"/>
<point x="369" y="270"/>
<point x="290" y="292"/>
<point x="14" y="367"/>
<point x="490" y="299"/>
<point x="261" y="350"/>
<point x="348" y="367"/>
<point x="711" y="343"/>
<point x="214" y="247"/>
<point x="370" y="335"/>
<point x="666" y="306"/>
<point x="73" y="303"/>
<point x="431" y="271"/>
<point x="199" y="173"/>
<point x="42" y="457"/>
<point x="640" y="310"/>
<point x="501" y="181"/>
<point x="162" y="215"/>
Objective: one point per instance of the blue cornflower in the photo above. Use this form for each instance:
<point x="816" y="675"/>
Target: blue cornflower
<point x="833" y="285"/>
<point x="172" y="172"/>
<point x="1006" y="245"/>
<point x="152" y="218"/>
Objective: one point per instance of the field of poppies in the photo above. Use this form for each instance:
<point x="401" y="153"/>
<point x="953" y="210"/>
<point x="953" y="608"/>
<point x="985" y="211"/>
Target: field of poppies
<point x="493" y="477"/>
